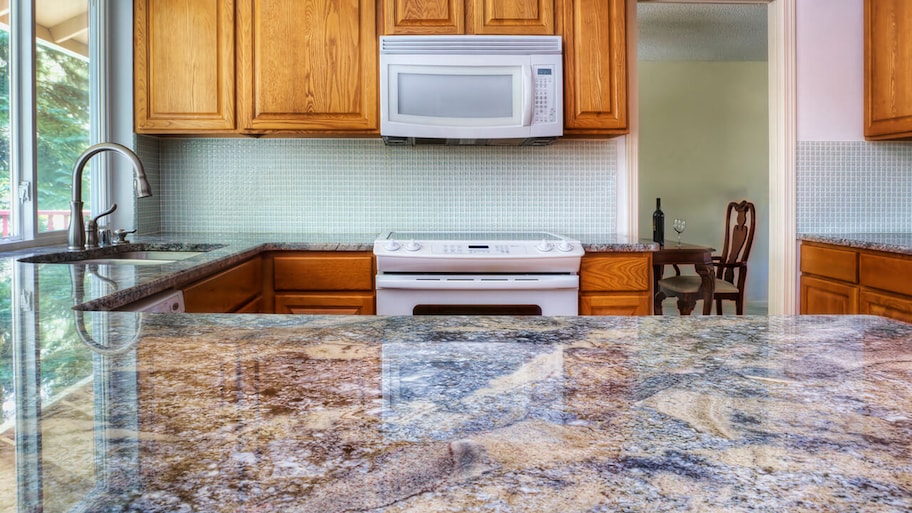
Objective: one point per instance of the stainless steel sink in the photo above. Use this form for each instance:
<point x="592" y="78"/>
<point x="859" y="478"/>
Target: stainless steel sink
<point x="136" y="254"/>
<point x="150" y="257"/>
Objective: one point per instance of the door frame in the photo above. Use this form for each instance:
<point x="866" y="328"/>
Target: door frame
<point x="783" y="144"/>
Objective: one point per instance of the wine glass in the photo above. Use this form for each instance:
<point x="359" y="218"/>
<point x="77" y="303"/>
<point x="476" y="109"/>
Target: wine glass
<point x="679" y="225"/>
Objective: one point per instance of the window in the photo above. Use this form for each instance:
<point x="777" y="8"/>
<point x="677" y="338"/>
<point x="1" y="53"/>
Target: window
<point x="37" y="154"/>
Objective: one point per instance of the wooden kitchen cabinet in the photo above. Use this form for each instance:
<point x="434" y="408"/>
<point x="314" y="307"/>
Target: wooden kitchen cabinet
<point x="440" y="17"/>
<point x="840" y="280"/>
<point x="594" y="38"/>
<point x="616" y="284"/>
<point x="324" y="283"/>
<point x="183" y="66"/>
<point x="307" y="66"/>
<point x="234" y="289"/>
<point x="595" y="66"/>
<point x="887" y="69"/>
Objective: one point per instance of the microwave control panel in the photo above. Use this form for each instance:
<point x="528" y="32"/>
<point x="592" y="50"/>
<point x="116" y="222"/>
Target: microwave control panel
<point x="545" y="110"/>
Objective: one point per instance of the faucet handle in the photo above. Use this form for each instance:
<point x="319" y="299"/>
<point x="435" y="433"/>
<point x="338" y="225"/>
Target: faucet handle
<point x="120" y="236"/>
<point x="106" y="212"/>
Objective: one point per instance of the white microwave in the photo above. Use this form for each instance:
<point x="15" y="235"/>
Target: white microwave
<point x="471" y="89"/>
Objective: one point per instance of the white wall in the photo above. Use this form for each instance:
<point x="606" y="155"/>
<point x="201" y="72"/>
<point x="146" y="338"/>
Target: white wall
<point x="830" y="70"/>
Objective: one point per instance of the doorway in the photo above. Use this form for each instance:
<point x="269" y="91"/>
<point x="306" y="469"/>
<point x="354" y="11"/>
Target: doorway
<point x="777" y="183"/>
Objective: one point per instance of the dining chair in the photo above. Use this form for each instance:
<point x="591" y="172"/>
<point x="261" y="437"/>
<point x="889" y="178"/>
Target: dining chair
<point x="730" y="266"/>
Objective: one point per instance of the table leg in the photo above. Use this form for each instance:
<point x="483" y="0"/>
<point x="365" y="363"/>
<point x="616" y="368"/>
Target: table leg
<point x="657" y="296"/>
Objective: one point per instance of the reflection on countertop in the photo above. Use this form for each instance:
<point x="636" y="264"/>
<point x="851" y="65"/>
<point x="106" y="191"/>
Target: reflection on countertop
<point x="225" y="413"/>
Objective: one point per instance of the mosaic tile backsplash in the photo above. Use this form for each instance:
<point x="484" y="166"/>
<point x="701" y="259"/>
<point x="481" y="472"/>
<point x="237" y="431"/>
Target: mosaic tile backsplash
<point x="854" y="187"/>
<point x="362" y="186"/>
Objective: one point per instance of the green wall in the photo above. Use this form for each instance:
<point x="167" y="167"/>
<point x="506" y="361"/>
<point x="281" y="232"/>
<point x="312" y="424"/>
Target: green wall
<point x="703" y="141"/>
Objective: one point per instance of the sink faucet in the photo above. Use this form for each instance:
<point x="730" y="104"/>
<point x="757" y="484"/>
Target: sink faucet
<point x="76" y="238"/>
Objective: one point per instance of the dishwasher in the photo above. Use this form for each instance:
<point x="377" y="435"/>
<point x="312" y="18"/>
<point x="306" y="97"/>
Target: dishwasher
<point x="169" y="301"/>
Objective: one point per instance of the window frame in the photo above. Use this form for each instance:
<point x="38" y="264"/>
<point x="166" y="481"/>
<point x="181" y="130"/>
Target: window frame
<point x="24" y="123"/>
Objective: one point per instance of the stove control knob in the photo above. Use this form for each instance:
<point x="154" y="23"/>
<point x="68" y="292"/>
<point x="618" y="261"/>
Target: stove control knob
<point x="564" y="246"/>
<point x="544" y="246"/>
<point x="392" y="245"/>
<point x="412" y="246"/>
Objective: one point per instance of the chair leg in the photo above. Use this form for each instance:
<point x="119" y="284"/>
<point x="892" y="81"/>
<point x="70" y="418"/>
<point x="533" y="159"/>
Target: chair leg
<point x="686" y="307"/>
<point x="739" y="306"/>
<point x="718" y="307"/>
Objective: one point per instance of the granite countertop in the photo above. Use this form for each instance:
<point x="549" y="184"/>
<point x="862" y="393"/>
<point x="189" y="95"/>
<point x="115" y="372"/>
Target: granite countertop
<point x="276" y="413"/>
<point x="106" y="411"/>
<point x="128" y="283"/>
<point x="900" y="243"/>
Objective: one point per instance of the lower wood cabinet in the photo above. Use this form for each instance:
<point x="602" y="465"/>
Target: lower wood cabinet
<point x="840" y="280"/>
<point x="228" y="291"/>
<point x="324" y="282"/>
<point x="616" y="284"/>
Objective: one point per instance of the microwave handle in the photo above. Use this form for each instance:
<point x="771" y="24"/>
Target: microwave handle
<point x="527" y="96"/>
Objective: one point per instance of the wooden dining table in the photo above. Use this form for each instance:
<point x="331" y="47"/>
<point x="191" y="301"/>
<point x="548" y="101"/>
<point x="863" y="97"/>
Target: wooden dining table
<point x="684" y="254"/>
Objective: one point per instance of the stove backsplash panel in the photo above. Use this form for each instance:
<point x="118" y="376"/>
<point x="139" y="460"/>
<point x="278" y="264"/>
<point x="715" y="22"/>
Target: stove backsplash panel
<point x="362" y="186"/>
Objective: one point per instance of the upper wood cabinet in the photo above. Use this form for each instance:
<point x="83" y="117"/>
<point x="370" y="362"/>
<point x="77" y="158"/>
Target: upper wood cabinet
<point x="183" y="65"/>
<point x="307" y="65"/>
<point x="469" y="17"/>
<point x="595" y="66"/>
<point x="423" y="17"/>
<point x="888" y="69"/>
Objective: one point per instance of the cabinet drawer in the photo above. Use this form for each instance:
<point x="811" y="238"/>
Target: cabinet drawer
<point x="615" y="272"/>
<point x="227" y="290"/>
<point x="892" y="273"/>
<point x="838" y="264"/>
<point x="324" y="271"/>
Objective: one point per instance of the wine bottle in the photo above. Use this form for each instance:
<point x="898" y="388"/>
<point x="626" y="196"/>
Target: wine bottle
<point x="658" y="223"/>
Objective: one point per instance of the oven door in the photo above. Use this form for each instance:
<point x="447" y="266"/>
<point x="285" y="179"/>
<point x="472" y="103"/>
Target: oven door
<point x="477" y="294"/>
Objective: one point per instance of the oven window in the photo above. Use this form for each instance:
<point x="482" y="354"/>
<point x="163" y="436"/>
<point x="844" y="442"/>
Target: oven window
<point x="477" y="310"/>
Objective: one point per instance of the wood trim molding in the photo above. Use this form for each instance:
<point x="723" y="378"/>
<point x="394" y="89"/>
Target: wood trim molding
<point x="783" y="144"/>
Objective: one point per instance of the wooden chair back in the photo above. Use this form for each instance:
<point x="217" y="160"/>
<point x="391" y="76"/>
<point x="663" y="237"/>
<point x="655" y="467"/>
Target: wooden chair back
<point x="740" y="226"/>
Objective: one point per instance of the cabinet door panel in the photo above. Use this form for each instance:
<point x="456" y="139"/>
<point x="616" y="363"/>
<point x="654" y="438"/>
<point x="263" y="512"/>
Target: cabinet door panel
<point x="619" y="304"/>
<point x="226" y="291"/>
<point x="899" y="308"/>
<point x="423" y="17"/>
<point x="307" y="65"/>
<point x="595" y="66"/>
<point x="176" y="89"/>
<point x="888" y="69"/>
<point x="512" y="16"/>
<point x="827" y="297"/>
<point x="325" y="304"/>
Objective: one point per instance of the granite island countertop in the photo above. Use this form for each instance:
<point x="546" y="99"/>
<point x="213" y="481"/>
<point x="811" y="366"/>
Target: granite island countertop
<point x="226" y="413"/>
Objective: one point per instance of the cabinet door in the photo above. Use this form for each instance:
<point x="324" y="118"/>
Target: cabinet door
<point x="226" y="291"/>
<point x="183" y="66"/>
<point x="595" y="66"/>
<point x="325" y="304"/>
<point x="888" y="69"/>
<point x="827" y="297"/>
<point x="885" y="305"/>
<point x="423" y="17"/>
<point x="512" y="16"/>
<point x="616" y="304"/>
<point x="307" y="66"/>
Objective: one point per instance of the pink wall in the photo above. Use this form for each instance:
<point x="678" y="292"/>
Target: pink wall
<point x="830" y="65"/>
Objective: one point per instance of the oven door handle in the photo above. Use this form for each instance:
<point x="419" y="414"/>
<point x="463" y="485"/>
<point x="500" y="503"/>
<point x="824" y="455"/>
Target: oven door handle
<point x="477" y="282"/>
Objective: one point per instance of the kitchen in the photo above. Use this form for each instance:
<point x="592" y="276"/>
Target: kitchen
<point x="230" y="172"/>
